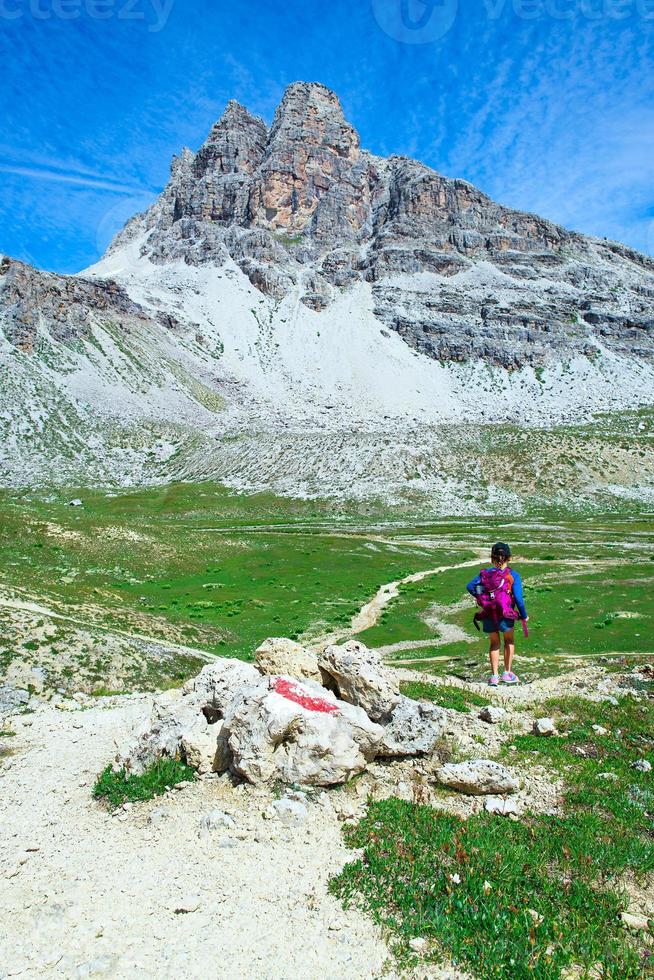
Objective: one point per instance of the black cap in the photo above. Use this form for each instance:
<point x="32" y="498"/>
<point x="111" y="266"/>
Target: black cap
<point x="500" y="550"/>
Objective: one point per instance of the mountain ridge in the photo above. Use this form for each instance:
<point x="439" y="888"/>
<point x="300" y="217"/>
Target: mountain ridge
<point x="302" y="206"/>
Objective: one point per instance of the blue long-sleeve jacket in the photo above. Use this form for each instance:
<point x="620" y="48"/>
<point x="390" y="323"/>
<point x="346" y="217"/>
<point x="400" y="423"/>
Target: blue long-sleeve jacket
<point x="516" y="590"/>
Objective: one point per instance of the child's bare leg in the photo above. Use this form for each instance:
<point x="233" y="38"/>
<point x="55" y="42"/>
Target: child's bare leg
<point x="509" y="650"/>
<point x="494" y="652"/>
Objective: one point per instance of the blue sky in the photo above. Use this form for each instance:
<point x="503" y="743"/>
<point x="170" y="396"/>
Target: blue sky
<point x="546" y="105"/>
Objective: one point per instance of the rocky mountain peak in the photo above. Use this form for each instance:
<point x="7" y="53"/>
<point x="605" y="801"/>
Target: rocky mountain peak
<point x="310" y="155"/>
<point x="235" y="144"/>
<point x="311" y="113"/>
<point x="302" y="209"/>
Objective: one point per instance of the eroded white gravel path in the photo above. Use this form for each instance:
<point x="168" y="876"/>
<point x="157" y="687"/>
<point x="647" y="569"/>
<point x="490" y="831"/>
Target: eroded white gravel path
<point x="84" y="893"/>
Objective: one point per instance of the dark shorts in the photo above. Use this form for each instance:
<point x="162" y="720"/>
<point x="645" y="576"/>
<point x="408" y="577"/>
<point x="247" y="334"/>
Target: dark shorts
<point x="504" y="625"/>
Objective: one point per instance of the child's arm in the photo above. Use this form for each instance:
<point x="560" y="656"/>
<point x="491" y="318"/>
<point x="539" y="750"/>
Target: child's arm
<point x="472" y="586"/>
<point x="517" y="594"/>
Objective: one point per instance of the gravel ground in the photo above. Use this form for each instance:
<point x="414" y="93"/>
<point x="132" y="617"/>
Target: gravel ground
<point x="84" y="893"/>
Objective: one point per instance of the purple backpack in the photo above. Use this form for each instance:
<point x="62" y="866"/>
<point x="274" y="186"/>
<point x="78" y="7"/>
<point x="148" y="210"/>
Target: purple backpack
<point x="494" y="595"/>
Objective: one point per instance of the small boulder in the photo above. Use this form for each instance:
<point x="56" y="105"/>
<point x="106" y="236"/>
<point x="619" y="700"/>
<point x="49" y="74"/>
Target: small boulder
<point x="543" y="726"/>
<point x="414" y="728"/>
<point x="361" y="679"/>
<point x="297" y="732"/>
<point x="635" y="921"/>
<point x="172" y="717"/>
<point x="219" y="683"/>
<point x="289" y="812"/>
<point x="497" y="804"/>
<point x="215" y="820"/>
<point x="184" y="723"/>
<point x="477" y="777"/>
<point x="200" y="746"/>
<point x="492" y="713"/>
<point x="642" y="765"/>
<point x="278" y="655"/>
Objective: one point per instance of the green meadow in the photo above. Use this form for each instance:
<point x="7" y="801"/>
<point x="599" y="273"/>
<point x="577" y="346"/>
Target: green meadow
<point x="215" y="572"/>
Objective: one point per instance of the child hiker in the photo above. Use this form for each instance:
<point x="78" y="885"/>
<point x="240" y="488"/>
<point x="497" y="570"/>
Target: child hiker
<point x="498" y="592"/>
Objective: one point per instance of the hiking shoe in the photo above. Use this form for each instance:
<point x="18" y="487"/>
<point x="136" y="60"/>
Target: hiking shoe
<point x="493" y="680"/>
<point x="508" y="677"/>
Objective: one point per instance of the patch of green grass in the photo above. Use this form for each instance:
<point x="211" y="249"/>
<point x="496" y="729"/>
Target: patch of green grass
<point x="119" y="787"/>
<point x="520" y="909"/>
<point x="602" y="783"/>
<point x="530" y="898"/>
<point x="445" y="695"/>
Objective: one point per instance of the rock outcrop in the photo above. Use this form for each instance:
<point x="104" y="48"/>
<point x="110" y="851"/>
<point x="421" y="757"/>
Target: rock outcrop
<point x="297" y="732"/>
<point x="414" y="728"/>
<point x="65" y="306"/>
<point x="280" y="728"/>
<point x="361" y="678"/>
<point x="279" y="655"/>
<point x="301" y="206"/>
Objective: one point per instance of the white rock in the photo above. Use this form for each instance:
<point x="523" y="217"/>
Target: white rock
<point x="290" y="812"/>
<point x="642" y="765"/>
<point x="361" y="678"/>
<point x="172" y="716"/>
<point x="181" y="718"/>
<point x="497" y="804"/>
<point x="297" y="732"/>
<point x="216" y="819"/>
<point x="200" y="746"/>
<point x="279" y="655"/>
<point x="493" y="714"/>
<point x="608" y="775"/>
<point x="418" y="944"/>
<point x="414" y="728"/>
<point x="219" y="683"/>
<point x="600" y="730"/>
<point x="477" y="777"/>
<point x="543" y="726"/>
<point x="635" y="921"/>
